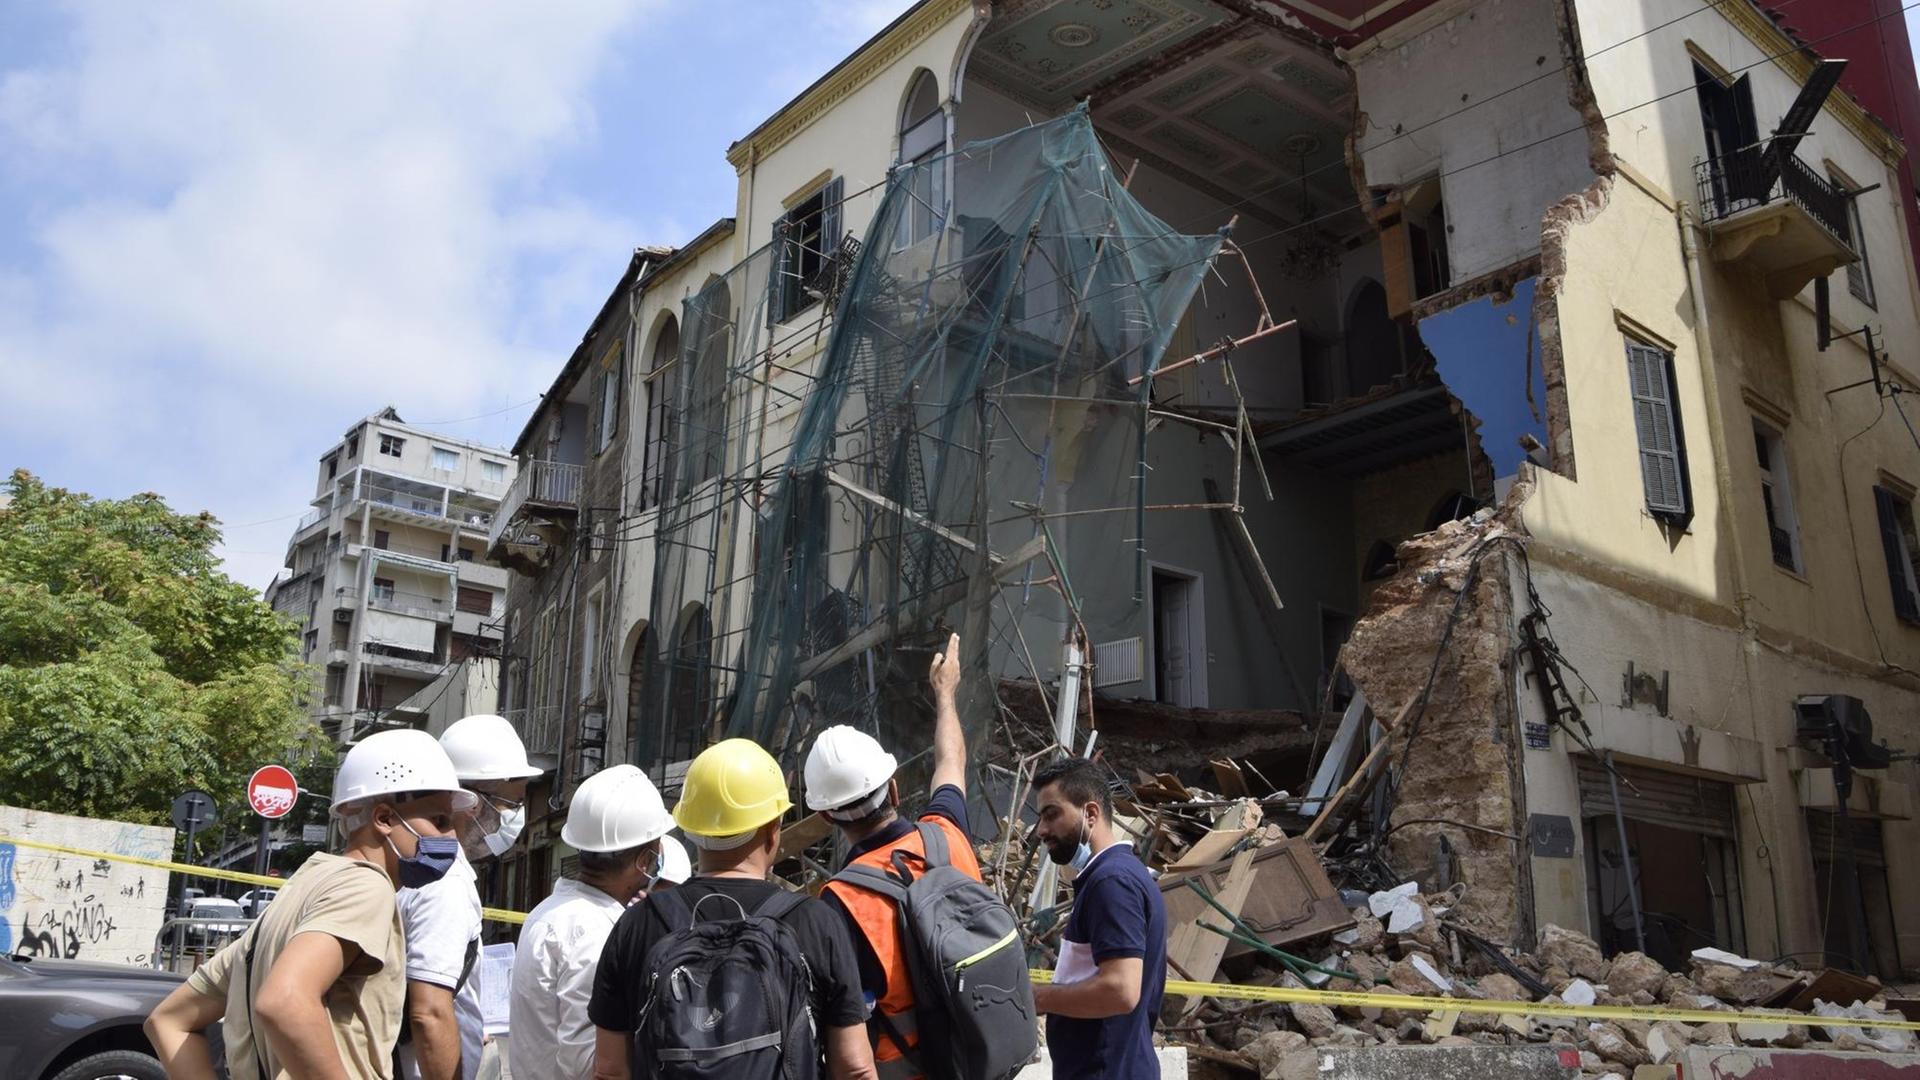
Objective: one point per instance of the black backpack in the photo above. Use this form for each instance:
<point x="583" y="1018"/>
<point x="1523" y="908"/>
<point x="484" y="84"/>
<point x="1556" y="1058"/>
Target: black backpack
<point x="727" y="997"/>
<point x="972" y="996"/>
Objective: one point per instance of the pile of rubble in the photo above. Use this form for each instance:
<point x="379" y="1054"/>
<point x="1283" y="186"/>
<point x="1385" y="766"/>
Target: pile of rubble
<point x="1401" y="943"/>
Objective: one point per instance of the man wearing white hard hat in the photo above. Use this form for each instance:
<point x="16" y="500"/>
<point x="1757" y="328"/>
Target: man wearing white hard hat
<point x="445" y="1032"/>
<point x="849" y="779"/>
<point x="316" y="986"/>
<point x="619" y="825"/>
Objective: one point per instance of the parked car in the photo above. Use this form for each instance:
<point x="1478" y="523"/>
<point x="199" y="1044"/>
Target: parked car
<point x="75" y="1020"/>
<point x="255" y="901"/>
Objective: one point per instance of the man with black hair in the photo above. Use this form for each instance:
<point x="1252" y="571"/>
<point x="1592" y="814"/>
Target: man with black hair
<point x="1112" y="970"/>
<point x="850" y="780"/>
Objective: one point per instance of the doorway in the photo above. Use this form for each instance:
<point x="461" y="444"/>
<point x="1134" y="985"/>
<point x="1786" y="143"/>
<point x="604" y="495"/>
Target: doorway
<point x="1179" y="638"/>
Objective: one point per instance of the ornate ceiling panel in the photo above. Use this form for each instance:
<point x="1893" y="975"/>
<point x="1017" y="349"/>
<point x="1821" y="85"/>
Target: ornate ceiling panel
<point x="1052" y="51"/>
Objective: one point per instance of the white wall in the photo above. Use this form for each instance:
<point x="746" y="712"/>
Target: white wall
<point x="1493" y="211"/>
<point x="66" y="906"/>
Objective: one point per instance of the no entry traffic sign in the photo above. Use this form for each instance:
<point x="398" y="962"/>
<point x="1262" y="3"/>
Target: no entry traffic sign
<point x="271" y="791"/>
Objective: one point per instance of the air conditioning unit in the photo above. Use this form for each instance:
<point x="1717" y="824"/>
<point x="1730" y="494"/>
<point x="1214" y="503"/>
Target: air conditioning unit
<point x="343" y="615"/>
<point x="1838" y="722"/>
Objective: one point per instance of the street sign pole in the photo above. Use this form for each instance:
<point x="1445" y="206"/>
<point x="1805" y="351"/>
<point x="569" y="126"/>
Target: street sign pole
<point x="192" y="811"/>
<point x="271" y="792"/>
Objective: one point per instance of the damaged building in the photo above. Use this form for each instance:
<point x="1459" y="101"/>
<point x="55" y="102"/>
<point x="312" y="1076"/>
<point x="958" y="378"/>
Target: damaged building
<point x="1475" y="424"/>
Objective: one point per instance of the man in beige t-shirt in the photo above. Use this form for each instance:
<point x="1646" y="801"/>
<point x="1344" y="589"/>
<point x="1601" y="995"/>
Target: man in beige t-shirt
<point x="315" y="988"/>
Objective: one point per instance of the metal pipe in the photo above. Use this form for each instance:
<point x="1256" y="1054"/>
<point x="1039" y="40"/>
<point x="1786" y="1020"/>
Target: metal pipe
<point x="1626" y="855"/>
<point x="1217" y="350"/>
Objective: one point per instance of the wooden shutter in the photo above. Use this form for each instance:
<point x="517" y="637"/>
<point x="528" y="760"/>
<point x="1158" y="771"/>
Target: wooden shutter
<point x="1904" y="604"/>
<point x="1824" y="838"/>
<point x="786" y="287"/>
<point x="1675" y="800"/>
<point x="1662" y="465"/>
<point x="830" y="218"/>
<point x="1396" y="258"/>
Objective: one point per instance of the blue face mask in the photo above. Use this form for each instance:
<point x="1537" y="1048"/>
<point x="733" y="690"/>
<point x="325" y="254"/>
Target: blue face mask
<point x="432" y="857"/>
<point x="1082" y="855"/>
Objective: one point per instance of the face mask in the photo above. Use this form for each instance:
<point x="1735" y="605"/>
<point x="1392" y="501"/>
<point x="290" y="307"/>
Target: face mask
<point x="432" y="857"/>
<point x="500" y="840"/>
<point x="1082" y="855"/>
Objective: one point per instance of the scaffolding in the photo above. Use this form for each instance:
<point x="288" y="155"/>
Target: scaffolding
<point x="972" y="429"/>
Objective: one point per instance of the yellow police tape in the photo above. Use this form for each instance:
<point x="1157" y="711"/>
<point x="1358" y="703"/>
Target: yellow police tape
<point x="1231" y="991"/>
<point x="496" y="914"/>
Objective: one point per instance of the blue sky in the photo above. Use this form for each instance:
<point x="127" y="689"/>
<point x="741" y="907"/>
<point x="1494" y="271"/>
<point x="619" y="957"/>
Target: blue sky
<point x="227" y="230"/>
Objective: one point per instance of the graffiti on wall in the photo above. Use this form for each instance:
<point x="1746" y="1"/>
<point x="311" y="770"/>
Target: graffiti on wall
<point x="72" y="907"/>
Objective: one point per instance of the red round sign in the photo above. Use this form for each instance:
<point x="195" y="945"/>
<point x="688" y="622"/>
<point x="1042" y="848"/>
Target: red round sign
<point x="271" y="791"/>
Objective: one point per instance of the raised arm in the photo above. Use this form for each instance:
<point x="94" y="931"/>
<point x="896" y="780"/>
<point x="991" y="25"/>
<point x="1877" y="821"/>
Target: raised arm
<point x="949" y="743"/>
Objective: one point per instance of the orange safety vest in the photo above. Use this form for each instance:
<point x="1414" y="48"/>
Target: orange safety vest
<point x="879" y="921"/>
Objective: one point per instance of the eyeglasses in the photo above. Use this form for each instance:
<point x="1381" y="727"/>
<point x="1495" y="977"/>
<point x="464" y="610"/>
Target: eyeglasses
<point x="501" y="803"/>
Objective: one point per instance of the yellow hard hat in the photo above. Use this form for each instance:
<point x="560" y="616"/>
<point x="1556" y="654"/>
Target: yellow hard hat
<point x="733" y="787"/>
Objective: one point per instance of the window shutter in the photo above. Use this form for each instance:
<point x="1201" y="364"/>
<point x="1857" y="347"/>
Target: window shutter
<point x="1904" y="604"/>
<point x="1661" y="465"/>
<point x="785" y="284"/>
<point x="830" y="219"/>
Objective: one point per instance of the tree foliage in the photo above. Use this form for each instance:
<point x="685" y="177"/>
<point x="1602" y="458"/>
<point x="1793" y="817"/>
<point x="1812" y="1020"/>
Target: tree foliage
<point x="131" y="668"/>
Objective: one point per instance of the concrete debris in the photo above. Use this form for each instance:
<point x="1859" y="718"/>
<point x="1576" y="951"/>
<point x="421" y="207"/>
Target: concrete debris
<point x="1574" y="952"/>
<point x="1611" y="1043"/>
<point x="1666" y="1041"/>
<point x="1722" y="956"/>
<point x="1432" y="974"/>
<point x="1635" y="972"/>
<point x="1269" y="1051"/>
<point x="1316" y="1020"/>
<point x="1732" y="983"/>
<point x="1384" y="901"/>
<point x="1578" y="992"/>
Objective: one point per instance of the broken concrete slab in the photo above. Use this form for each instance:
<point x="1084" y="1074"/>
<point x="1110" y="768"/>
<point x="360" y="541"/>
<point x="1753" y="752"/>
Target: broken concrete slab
<point x="1270" y="1050"/>
<point x="1710" y="1061"/>
<point x="1382" y="903"/>
<point x="1728" y="982"/>
<point x="1578" y="992"/>
<point x="1172" y="1061"/>
<point x="1667" y="1040"/>
<point x="1445" y="1063"/>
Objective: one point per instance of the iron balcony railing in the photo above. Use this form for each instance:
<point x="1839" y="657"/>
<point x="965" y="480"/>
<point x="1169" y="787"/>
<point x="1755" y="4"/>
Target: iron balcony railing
<point x="1758" y="175"/>
<point x="543" y="483"/>
<point x="312" y="517"/>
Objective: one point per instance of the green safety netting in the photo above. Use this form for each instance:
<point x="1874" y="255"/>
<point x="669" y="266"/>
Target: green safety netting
<point x="966" y="454"/>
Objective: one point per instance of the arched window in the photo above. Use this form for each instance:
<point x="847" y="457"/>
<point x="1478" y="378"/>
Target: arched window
<point x="1381" y="562"/>
<point x="639" y="686"/>
<point x="689" y="682"/>
<point x="1373" y="339"/>
<point x="710" y="351"/>
<point x="657" y="406"/>
<point x="923" y="138"/>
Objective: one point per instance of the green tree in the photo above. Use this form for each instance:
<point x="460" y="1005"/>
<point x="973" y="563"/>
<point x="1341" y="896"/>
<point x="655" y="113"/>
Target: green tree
<point x="131" y="668"/>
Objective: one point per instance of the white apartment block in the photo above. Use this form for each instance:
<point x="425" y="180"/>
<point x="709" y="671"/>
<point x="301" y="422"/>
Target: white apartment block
<point x="399" y="614"/>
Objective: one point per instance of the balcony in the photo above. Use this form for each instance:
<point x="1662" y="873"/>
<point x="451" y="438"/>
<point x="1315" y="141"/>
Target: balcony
<point x="540" y="506"/>
<point x="417" y="501"/>
<point x="311" y="518"/>
<point x="1770" y="211"/>
<point x="406" y="602"/>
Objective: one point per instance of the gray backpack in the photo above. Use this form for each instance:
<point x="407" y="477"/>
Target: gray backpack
<point x="973" y="998"/>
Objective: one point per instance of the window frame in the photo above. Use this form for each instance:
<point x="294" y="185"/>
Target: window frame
<point x="919" y="140"/>
<point x="607" y="425"/>
<point x="790" y="294"/>
<point x="1903" y="578"/>
<point x="1776" y="493"/>
<point x="434" y="458"/>
<point x="1860" y="271"/>
<point x="488" y="467"/>
<point x="1659" y="359"/>
<point x="392" y="445"/>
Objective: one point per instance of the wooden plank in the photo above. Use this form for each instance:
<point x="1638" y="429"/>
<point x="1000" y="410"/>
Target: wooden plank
<point x="802" y="835"/>
<point x="1198" y="951"/>
<point x="1239" y="819"/>
<point x="1363" y="774"/>
<point x="1233" y="783"/>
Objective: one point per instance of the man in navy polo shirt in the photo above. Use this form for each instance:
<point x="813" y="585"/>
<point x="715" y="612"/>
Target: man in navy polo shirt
<point x="1107" y="986"/>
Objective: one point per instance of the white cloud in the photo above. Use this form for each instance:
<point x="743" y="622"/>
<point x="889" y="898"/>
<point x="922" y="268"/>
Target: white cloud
<point x="255" y="223"/>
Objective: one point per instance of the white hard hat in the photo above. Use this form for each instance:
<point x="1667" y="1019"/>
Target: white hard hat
<point x="845" y="764"/>
<point x="393" y="763"/>
<point x="674" y="866"/>
<point x="615" y="809"/>
<point x="485" y="747"/>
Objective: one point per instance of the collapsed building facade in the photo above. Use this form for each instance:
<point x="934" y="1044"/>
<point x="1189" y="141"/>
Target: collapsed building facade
<point x="1460" y="406"/>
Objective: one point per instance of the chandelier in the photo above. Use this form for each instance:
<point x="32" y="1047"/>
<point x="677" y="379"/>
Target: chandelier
<point x="1311" y="253"/>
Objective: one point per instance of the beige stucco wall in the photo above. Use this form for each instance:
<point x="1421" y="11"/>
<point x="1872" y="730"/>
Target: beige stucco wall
<point x="1741" y="637"/>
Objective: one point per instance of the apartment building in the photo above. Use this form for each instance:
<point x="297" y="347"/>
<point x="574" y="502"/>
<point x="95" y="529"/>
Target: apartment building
<point x="1544" y="390"/>
<point x="399" y="609"/>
